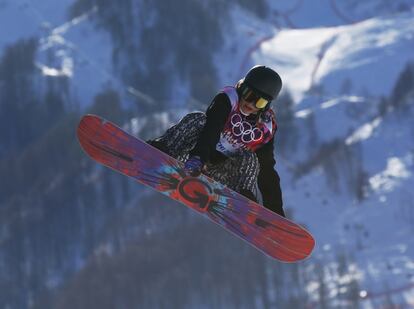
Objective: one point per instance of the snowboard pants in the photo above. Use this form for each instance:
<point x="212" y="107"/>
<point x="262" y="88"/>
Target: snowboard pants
<point x="238" y="173"/>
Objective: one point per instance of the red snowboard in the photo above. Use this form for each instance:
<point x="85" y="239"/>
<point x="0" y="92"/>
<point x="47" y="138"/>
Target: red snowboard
<point x="270" y="233"/>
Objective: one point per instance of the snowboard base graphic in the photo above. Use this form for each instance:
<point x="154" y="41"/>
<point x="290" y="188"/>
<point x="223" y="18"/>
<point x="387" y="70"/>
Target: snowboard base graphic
<point x="270" y="233"/>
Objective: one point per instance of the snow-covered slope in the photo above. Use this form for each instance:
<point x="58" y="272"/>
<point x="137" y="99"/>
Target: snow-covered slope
<point x="350" y="183"/>
<point x="363" y="58"/>
<point x="71" y="48"/>
<point x="317" y="13"/>
<point x="337" y="76"/>
<point x="376" y="231"/>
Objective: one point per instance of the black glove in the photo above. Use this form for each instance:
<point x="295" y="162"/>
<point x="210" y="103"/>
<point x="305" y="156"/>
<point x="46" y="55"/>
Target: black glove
<point x="193" y="166"/>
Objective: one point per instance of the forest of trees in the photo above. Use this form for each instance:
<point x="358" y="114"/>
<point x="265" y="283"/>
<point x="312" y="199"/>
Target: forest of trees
<point x="147" y="49"/>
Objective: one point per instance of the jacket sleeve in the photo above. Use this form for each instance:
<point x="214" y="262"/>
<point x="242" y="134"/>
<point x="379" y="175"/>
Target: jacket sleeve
<point x="217" y="114"/>
<point x="269" y="180"/>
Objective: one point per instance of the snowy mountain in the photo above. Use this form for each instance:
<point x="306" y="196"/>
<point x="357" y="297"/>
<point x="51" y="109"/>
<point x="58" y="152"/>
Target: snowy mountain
<point x="322" y="13"/>
<point x="338" y="76"/>
<point x="75" y="235"/>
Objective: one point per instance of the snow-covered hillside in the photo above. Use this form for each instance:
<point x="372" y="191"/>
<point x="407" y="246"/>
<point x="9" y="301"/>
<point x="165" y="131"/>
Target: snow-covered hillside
<point x="363" y="59"/>
<point x="321" y="13"/>
<point x="70" y="48"/>
<point x="337" y="76"/>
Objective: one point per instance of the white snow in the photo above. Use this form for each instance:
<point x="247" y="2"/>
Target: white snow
<point x="389" y="178"/>
<point x="70" y="48"/>
<point x="316" y="64"/>
<point x="294" y="54"/>
<point x="371" y="54"/>
<point x="66" y="69"/>
<point x="364" y="132"/>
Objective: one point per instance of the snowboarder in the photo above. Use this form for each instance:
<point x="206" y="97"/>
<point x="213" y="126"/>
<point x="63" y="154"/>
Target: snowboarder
<point x="233" y="141"/>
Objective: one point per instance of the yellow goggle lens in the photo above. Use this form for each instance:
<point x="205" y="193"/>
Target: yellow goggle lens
<point x="261" y="103"/>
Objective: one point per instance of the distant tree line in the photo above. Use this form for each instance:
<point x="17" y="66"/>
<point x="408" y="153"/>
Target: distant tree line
<point x="287" y="133"/>
<point x="178" y="269"/>
<point x="26" y="109"/>
<point x="157" y="41"/>
<point x="402" y="96"/>
<point x="53" y="211"/>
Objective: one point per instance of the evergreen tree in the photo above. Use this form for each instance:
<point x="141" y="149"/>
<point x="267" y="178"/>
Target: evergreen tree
<point x="404" y="85"/>
<point x="287" y="136"/>
<point x="25" y="112"/>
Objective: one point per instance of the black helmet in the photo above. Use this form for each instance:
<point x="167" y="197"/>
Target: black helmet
<point x="264" y="80"/>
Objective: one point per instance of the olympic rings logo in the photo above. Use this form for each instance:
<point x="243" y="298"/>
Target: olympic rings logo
<point x="245" y="130"/>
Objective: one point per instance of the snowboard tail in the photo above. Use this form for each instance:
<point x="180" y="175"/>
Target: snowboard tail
<point x="270" y="233"/>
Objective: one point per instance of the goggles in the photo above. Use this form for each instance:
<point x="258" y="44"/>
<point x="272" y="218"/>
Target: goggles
<point x="250" y="96"/>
